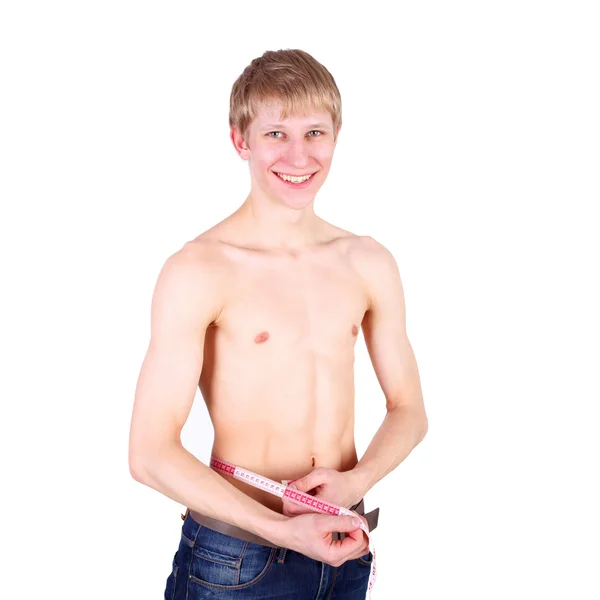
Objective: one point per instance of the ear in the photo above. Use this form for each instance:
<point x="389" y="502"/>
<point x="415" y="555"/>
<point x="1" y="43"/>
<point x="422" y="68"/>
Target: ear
<point x="337" y="133"/>
<point x="241" y="147"/>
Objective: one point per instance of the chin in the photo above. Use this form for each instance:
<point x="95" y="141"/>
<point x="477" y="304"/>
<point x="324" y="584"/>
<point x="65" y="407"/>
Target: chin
<point x="298" y="204"/>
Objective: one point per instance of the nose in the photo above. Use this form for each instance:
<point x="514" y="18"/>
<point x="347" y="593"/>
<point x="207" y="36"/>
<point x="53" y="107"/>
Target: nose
<point x="297" y="154"/>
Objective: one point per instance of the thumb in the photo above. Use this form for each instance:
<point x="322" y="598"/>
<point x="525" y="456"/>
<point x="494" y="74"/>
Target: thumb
<point x="344" y="523"/>
<point x="308" y="482"/>
<point x="298" y="484"/>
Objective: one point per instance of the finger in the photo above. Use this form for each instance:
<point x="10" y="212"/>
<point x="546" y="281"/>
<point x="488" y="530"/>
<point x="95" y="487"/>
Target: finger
<point x="352" y="532"/>
<point x="344" y="523"/>
<point x="310" y="481"/>
<point x="366" y="523"/>
<point x="352" y="544"/>
<point x="290" y="511"/>
<point x="362" y="518"/>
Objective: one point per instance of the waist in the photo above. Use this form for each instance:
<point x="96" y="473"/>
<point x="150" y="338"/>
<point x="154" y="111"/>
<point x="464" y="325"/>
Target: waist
<point x="274" y="456"/>
<point x="242" y="534"/>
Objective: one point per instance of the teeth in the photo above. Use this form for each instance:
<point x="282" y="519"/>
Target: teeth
<point x="293" y="179"/>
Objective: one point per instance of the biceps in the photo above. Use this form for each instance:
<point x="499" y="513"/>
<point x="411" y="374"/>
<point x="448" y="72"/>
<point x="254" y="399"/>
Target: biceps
<point x="165" y="392"/>
<point x="393" y="359"/>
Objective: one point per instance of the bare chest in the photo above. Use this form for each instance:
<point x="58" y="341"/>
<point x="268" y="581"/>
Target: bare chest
<point x="314" y="305"/>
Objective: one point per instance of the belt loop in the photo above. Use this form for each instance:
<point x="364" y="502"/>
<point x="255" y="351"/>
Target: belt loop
<point x="281" y="555"/>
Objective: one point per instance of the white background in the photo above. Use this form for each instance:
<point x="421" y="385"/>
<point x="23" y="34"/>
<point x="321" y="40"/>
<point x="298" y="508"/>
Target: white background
<point x="469" y="147"/>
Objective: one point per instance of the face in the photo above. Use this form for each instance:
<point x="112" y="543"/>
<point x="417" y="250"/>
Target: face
<point x="299" y="146"/>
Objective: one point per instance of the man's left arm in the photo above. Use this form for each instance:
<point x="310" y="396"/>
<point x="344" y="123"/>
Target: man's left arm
<point x="384" y="329"/>
<point x="405" y="424"/>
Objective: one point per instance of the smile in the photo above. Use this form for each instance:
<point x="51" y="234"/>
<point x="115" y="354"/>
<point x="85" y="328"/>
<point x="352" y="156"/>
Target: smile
<point x="296" y="181"/>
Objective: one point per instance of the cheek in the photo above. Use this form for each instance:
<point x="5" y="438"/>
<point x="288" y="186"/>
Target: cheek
<point x="266" y="158"/>
<point x="324" y="154"/>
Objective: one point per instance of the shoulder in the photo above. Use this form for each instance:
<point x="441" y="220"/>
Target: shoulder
<point x="198" y="260"/>
<point x="192" y="278"/>
<point x="360" y="248"/>
<point x="376" y="267"/>
<point x="368" y="255"/>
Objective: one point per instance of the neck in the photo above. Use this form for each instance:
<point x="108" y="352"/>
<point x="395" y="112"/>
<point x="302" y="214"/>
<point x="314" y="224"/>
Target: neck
<point x="276" y="226"/>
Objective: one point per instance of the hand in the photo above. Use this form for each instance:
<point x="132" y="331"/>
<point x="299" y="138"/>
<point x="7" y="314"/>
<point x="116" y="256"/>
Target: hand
<point x="311" y="535"/>
<point x="328" y="485"/>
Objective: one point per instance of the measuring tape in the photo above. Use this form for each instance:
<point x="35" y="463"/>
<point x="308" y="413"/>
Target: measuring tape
<point x="285" y="491"/>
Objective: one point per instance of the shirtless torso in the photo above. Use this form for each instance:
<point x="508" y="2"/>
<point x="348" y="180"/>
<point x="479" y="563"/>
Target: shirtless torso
<point x="278" y="370"/>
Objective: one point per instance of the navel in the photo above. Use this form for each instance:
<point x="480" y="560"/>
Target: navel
<point x="261" y="337"/>
<point x="354" y="330"/>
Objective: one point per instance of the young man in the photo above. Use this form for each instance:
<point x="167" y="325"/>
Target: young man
<point x="262" y="312"/>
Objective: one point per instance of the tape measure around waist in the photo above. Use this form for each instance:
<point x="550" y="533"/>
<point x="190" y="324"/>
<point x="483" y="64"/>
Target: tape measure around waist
<point x="282" y="490"/>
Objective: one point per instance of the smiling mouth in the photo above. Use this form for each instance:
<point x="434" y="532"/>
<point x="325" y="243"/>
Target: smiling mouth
<point x="294" y="179"/>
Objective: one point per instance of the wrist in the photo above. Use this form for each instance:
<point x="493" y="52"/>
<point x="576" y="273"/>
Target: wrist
<point x="358" y="483"/>
<point x="273" y="528"/>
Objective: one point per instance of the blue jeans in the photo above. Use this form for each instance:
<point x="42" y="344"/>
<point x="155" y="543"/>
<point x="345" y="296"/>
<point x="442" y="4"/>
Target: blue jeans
<point x="209" y="564"/>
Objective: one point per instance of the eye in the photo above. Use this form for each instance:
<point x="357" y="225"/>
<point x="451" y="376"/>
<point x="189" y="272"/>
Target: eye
<point x="321" y="133"/>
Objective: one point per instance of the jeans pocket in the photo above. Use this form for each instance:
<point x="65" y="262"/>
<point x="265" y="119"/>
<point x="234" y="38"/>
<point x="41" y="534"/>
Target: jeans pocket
<point x="366" y="560"/>
<point x="232" y="564"/>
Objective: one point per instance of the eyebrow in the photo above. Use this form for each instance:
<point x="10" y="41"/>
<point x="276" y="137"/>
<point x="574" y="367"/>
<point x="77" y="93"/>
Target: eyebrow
<point x="281" y="125"/>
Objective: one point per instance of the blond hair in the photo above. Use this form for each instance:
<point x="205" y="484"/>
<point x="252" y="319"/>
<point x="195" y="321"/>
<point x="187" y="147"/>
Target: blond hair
<point x="292" y="77"/>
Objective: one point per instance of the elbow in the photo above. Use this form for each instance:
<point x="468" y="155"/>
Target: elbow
<point x="140" y="462"/>
<point x="423" y="429"/>
<point x="146" y="460"/>
<point x="136" y="467"/>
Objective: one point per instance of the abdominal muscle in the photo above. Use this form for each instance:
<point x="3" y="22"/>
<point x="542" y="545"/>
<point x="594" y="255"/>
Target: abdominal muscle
<point x="281" y="457"/>
<point x="304" y="421"/>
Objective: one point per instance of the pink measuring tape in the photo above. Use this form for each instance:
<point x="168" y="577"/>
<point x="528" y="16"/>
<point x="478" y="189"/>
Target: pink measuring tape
<point x="284" y="491"/>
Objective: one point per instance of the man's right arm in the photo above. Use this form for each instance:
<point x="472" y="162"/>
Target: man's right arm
<point x="186" y="300"/>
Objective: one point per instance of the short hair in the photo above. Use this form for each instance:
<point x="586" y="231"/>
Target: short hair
<point x="292" y="77"/>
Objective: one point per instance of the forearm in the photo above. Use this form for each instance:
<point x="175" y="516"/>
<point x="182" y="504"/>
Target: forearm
<point x="402" y="429"/>
<point x="178" y="474"/>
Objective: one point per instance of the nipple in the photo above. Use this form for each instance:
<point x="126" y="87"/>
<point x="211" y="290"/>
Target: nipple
<point x="261" y="337"/>
<point x="354" y="330"/>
